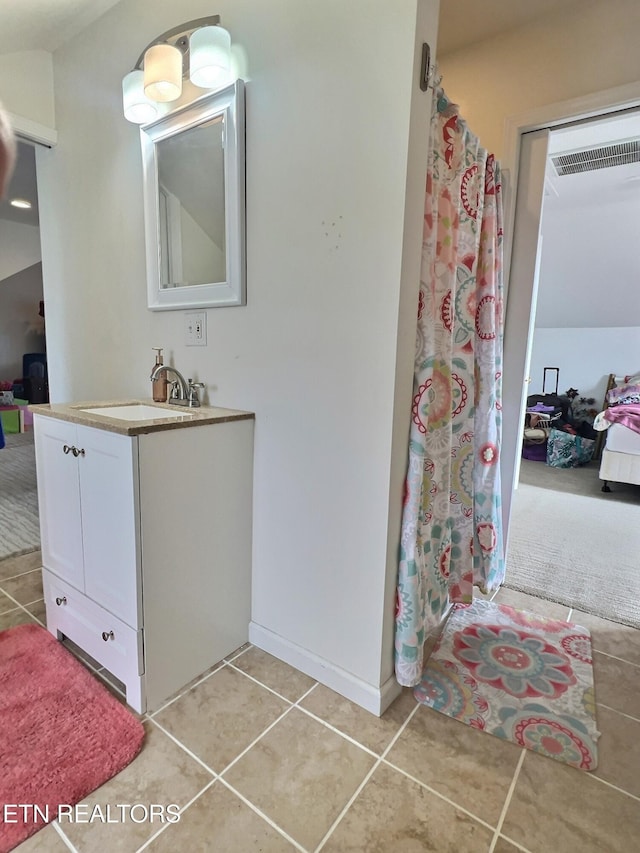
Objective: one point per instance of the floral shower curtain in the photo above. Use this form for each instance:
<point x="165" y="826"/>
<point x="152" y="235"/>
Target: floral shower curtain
<point x="451" y="527"/>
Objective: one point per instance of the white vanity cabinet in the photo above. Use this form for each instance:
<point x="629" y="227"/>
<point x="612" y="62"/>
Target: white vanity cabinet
<point x="146" y="544"/>
<point x="88" y="512"/>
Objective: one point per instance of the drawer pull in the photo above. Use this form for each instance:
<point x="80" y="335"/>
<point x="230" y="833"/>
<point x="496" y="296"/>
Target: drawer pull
<point x="107" y="635"/>
<point x="66" y="448"/>
<point x="61" y="600"/>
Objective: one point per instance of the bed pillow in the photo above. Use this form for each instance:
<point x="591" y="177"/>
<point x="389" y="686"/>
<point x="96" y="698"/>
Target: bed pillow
<point x="624" y="394"/>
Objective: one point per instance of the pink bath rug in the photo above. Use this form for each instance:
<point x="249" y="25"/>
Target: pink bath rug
<point x="519" y="676"/>
<point x="62" y="734"/>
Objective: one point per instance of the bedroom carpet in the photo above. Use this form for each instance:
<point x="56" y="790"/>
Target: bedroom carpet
<point x="19" y="525"/>
<point x="519" y="676"/>
<point x="62" y="735"/>
<point x="573" y="544"/>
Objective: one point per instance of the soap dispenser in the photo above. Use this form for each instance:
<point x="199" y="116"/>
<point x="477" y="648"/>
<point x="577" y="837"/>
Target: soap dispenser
<point x="159" y="384"/>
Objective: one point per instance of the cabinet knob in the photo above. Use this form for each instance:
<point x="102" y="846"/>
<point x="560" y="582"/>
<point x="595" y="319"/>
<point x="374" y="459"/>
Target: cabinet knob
<point x="62" y="600"/>
<point x="77" y="451"/>
<point x="66" y="448"/>
<point x="107" y="635"/>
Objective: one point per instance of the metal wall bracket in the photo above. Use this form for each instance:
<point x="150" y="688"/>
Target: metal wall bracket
<point x="425" y="67"/>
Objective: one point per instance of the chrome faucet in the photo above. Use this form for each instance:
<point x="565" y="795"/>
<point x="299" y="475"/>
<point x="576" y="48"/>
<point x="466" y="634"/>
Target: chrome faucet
<point x="183" y="393"/>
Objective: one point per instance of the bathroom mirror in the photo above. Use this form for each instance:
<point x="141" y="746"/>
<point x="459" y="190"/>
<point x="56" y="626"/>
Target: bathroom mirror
<point x="194" y="203"/>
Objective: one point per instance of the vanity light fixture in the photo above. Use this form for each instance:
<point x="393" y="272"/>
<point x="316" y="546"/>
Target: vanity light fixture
<point x="199" y="50"/>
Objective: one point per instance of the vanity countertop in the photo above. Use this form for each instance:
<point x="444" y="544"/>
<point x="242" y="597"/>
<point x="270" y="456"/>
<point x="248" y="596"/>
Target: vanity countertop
<point x="178" y="417"/>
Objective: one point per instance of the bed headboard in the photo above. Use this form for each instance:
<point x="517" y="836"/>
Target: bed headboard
<point x="612" y="382"/>
<point x="618" y="380"/>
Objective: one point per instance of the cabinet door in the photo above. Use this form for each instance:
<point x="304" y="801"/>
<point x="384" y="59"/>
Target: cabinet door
<point x="109" y="489"/>
<point x="59" y="499"/>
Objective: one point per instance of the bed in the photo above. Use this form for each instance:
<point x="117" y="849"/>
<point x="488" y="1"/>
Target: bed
<point x="620" y="422"/>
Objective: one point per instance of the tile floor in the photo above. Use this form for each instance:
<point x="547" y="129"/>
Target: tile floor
<point x="259" y="757"/>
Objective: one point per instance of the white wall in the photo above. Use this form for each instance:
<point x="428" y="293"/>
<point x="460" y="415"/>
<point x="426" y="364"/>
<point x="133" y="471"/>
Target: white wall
<point x="26" y="85"/>
<point x="323" y="351"/>
<point x="21" y="328"/>
<point x="585" y="357"/>
<point x="560" y="57"/>
<point x="589" y="263"/>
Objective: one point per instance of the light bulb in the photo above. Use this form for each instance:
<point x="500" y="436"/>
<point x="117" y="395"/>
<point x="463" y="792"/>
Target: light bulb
<point x="209" y="57"/>
<point x="163" y="73"/>
<point x="137" y="107"/>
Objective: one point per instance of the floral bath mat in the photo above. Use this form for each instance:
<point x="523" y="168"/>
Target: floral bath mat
<point x="519" y="676"/>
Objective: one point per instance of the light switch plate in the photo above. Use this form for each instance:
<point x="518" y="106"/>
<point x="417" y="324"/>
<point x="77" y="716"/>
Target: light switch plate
<point x="195" y="328"/>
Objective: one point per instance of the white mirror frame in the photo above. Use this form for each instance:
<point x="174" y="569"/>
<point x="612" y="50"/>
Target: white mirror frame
<point x="229" y="103"/>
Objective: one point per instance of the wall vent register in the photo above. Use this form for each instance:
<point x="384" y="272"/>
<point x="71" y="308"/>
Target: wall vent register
<point x="602" y="157"/>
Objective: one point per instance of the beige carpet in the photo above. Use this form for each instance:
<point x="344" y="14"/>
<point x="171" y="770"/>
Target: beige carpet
<point x="571" y="543"/>
<point x="19" y="524"/>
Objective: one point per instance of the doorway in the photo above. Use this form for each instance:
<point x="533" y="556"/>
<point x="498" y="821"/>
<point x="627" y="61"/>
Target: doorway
<point x="22" y="330"/>
<point x="580" y="276"/>
<point x="23" y="364"/>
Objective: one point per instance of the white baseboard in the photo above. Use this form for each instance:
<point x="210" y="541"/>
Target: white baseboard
<point x="373" y="699"/>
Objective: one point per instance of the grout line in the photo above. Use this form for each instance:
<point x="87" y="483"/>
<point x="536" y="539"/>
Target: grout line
<point x="181" y="812"/>
<point x="187" y="690"/>
<point x="15" y="601"/>
<point x="438" y="794"/>
<point x="236" y="655"/>
<point x="20" y="574"/>
<point x="507" y="802"/>
<point x="264" y="816"/>
<point x="62" y="835"/>
<point x="366" y="779"/>
<point x="615" y="657"/>
<point x="260" y="683"/>
<point x="255" y="741"/>
<point x="35" y="601"/>
<point x="338" y="732"/>
<point x="615" y="787"/>
<point x="226" y="662"/>
<point x="348" y="805"/>
<point x="185" y="748"/>
<point x="622" y="713"/>
<point x="297" y="705"/>
<point x="423" y="784"/>
<point x="395" y="738"/>
<point x="516" y="844"/>
<point x="304" y="695"/>
<point x="21" y="607"/>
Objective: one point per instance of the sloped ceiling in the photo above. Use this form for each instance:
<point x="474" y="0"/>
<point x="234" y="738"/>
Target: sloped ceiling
<point x="45" y="24"/>
<point x="465" y="22"/>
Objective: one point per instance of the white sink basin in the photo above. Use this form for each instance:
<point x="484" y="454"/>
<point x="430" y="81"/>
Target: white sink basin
<point x="138" y="412"/>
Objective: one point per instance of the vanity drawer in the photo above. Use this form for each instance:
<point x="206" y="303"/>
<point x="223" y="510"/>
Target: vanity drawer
<point x="99" y="633"/>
